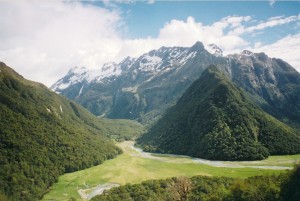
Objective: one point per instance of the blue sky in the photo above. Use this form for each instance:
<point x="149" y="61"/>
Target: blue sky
<point x="145" y="19"/>
<point x="42" y="40"/>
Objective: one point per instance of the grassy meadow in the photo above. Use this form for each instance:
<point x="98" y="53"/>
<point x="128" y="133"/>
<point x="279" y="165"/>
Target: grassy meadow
<point x="130" y="167"/>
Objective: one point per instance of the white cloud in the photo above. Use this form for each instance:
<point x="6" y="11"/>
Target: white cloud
<point x="150" y="1"/>
<point x="287" y="48"/>
<point x="186" y="33"/>
<point x="42" y="40"/>
<point x="257" y="45"/>
<point x="271" y="22"/>
<point x="114" y="3"/>
<point x="272" y="2"/>
<point x="236" y="21"/>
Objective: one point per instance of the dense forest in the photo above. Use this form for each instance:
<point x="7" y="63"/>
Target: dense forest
<point x="283" y="187"/>
<point x="214" y="119"/>
<point x="43" y="135"/>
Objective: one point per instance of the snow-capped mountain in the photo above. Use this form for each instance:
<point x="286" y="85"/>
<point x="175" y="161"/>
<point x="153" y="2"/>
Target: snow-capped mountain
<point x="82" y="74"/>
<point x="214" y="49"/>
<point x="143" y="88"/>
<point x="152" y="62"/>
<point x="247" y="53"/>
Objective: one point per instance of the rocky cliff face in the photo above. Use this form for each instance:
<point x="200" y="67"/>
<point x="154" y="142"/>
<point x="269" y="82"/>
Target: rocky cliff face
<point x="273" y="83"/>
<point x="143" y="88"/>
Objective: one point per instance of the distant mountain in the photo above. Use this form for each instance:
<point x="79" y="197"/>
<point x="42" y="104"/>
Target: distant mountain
<point x="43" y="135"/>
<point x="272" y="83"/>
<point x="215" y="120"/>
<point x="143" y="88"/>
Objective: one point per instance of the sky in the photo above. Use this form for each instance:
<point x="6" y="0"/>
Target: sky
<point x="42" y="40"/>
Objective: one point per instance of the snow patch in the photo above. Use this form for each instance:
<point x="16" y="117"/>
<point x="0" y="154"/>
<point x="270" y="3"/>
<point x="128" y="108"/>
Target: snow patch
<point x="61" y="110"/>
<point x="149" y="63"/>
<point x="247" y="53"/>
<point x="102" y="115"/>
<point x="81" y="75"/>
<point x="186" y="58"/>
<point x="214" y="49"/>
<point x="107" y="70"/>
<point x="175" y="53"/>
<point x="78" y="70"/>
<point x="130" y="89"/>
<point x="63" y="86"/>
<point x="80" y="91"/>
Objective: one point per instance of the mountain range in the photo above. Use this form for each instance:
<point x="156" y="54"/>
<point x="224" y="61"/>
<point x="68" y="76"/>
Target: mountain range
<point x="214" y="119"/>
<point x="44" y="135"/>
<point x="228" y="113"/>
<point x="143" y="88"/>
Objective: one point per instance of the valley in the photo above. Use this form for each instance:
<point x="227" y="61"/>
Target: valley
<point x="134" y="166"/>
<point x="68" y="143"/>
<point x="115" y="100"/>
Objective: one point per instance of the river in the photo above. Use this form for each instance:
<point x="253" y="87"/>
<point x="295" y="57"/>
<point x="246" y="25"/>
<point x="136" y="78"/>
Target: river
<point x="229" y="164"/>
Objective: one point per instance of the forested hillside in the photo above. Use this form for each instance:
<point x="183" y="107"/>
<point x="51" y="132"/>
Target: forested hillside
<point x="214" y="119"/>
<point x="284" y="187"/>
<point x="43" y="135"/>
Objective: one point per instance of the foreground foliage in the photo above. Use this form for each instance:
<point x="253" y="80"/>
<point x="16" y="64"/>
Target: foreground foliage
<point x="42" y="136"/>
<point x="215" y="120"/>
<point x="284" y="187"/>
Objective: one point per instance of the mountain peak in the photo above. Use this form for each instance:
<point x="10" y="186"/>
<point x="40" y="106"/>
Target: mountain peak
<point x="247" y="53"/>
<point x="159" y="77"/>
<point x="214" y="49"/>
<point x="197" y="46"/>
<point x="109" y="66"/>
<point x="77" y="70"/>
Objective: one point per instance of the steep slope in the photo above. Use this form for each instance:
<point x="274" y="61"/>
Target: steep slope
<point x="146" y="86"/>
<point x="272" y="83"/>
<point x="43" y="135"/>
<point x="215" y="120"/>
<point x="143" y="88"/>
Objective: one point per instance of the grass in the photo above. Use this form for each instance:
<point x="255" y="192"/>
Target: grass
<point x="130" y="168"/>
<point x="287" y="160"/>
<point x="122" y="129"/>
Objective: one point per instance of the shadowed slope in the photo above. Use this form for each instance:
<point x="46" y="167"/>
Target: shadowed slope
<point x="215" y="120"/>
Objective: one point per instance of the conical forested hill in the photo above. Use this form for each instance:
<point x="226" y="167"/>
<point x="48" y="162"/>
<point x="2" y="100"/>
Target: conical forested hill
<point x="215" y="120"/>
<point x="43" y="135"/>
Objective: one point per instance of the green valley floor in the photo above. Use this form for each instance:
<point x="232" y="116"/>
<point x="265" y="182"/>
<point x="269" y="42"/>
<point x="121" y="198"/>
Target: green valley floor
<point x="135" y="166"/>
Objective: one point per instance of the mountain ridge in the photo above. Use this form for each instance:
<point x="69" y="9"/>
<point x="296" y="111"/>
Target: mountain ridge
<point x="154" y="81"/>
<point x="214" y="119"/>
